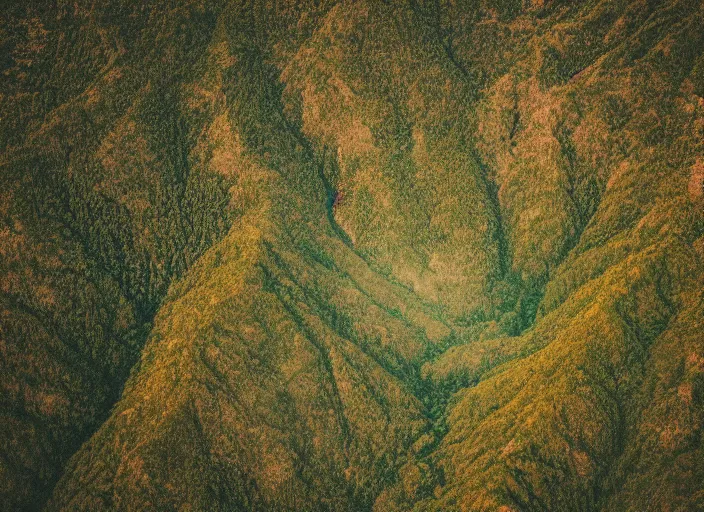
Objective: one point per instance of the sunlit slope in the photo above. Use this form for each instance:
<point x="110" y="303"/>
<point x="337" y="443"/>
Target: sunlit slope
<point x="269" y="381"/>
<point x="281" y="369"/>
<point x="598" y="405"/>
<point x="279" y="373"/>
<point x="352" y="255"/>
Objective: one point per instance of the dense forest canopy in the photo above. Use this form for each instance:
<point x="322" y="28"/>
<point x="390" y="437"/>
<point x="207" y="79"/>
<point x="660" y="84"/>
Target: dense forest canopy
<point x="426" y="255"/>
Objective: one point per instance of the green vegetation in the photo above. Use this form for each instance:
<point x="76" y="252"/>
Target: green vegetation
<point x="390" y="256"/>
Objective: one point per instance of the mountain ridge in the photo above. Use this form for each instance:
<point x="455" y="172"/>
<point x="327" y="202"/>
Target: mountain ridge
<point x="352" y="255"/>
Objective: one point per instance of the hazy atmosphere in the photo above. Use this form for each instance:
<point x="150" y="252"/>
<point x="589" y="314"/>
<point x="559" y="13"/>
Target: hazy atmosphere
<point x="354" y="256"/>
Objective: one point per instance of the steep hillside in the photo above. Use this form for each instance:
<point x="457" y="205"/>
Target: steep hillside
<point x="352" y="255"/>
<point x="104" y="203"/>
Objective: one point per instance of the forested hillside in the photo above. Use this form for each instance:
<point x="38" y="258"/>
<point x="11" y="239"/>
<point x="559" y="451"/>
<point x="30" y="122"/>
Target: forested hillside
<point x="414" y="255"/>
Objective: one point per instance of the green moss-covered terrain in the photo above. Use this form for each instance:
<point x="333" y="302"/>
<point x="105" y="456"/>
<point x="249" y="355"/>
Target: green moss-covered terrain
<point x="413" y="255"/>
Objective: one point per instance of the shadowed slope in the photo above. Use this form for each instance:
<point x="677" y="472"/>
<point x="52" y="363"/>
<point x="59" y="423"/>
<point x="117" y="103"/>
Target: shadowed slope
<point x="98" y="213"/>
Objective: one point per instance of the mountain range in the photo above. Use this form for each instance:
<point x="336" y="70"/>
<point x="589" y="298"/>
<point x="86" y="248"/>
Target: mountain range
<point x="337" y="255"/>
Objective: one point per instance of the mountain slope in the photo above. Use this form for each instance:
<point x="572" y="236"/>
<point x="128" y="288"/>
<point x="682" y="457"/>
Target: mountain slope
<point x="353" y="255"/>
